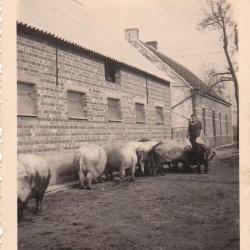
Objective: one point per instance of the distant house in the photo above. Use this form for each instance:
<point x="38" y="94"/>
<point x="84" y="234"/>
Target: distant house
<point x="188" y="95"/>
<point x="76" y="83"/>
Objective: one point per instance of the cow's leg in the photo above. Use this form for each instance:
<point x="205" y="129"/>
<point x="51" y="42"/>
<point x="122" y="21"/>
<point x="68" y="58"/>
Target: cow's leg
<point x="88" y="180"/>
<point x="142" y="169"/>
<point x="187" y="168"/>
<point x="198" y="168"/>
<point x="41" y="203"/>
<point x="81" y="178"/>
<point x="122" y="174"/>
<point x="99" y="179"/>
<point x="155" y="168"/>
<point x="174" y="167"/>
<point x="161" y="169"/>
<point x="107" y="174"/>
<point x="111" y="175"/>
<point x="149" y="168"/>
<point x="37" y="204"/>
<point x="206" y="167"/>
<point x="132" y="170"/>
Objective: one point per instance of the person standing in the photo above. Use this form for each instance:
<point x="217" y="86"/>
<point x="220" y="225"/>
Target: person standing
<point x="194" y="129"/>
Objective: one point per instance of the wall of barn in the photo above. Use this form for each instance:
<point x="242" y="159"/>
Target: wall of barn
<point x="51" y="130"/>
<point x="210" y="105"/>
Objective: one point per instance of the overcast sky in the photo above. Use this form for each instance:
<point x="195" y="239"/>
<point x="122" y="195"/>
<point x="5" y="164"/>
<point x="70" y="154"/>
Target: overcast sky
<point x="171" y="22"/>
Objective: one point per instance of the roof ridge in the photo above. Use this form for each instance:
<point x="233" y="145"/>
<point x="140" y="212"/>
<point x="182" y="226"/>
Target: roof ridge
<point x="187" y="74"/>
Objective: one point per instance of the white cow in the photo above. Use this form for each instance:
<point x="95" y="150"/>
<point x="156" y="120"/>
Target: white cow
<point x="92" y="161"/>
<point x="121" y="156"/>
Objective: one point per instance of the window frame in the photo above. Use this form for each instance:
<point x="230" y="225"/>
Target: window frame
<point x="220" y="124"/>
<point x="214" y="123"/>
<point x="111" y="119"/>
<point x="84" y="105"/>
<point x="226" y="121"/>
<point x="161" y="108"/>
<point x="34" y="102"/>
<point x="204" y="120"/>
<point x="110" y="71"/>
<point x="143" y="121"/>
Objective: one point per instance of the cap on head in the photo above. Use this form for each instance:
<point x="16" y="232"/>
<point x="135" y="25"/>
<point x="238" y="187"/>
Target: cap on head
<point x="193" y="115"/>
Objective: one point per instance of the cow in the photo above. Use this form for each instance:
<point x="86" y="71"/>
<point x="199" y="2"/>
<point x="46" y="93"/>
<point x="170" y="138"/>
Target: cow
<point x="169" y="152"/>
<point x="181" y="151"/>
<point x="121" y="157"/>
<point x="202" y="154"/>
<point x="32" y="181"/>
<point x="92" y="161"/>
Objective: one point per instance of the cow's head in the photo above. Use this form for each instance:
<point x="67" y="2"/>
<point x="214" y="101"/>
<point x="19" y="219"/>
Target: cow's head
<point x="209" y="154"/>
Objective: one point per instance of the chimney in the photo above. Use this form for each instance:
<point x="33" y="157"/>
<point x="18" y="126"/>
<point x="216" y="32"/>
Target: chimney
<point x="131" y="34"/>
<point x="154" y="44"/>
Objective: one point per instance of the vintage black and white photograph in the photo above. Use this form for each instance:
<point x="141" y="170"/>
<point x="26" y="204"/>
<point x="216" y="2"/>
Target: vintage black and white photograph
<point x="127" y="125"/>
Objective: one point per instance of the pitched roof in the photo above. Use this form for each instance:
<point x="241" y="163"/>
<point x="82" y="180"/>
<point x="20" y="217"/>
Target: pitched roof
<point x="185" y="73"/>
<point x="68" y="20"/>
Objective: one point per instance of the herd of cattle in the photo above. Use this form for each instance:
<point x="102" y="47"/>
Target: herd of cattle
<point x="147" y="157"/>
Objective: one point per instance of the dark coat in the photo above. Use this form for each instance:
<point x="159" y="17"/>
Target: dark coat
<point x="194" y="130"/>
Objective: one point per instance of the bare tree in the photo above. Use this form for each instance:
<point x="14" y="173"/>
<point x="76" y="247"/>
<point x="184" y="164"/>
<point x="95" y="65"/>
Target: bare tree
<point x="217" y="15"/>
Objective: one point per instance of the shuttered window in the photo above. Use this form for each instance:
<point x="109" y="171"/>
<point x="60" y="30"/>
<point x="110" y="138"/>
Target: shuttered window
<point x="110" y="71"/>
<point x="26" y="99"/>
<point x="114" y="109"/>
<point x="76" y="104"/>
<point x="140" y="112"/>
<point x="159" y="115"/>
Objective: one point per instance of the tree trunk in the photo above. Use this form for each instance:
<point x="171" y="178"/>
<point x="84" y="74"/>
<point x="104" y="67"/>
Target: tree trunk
<point x="232" y="71"/>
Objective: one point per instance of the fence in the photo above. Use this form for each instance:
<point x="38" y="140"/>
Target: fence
<point x="179" y="132"/>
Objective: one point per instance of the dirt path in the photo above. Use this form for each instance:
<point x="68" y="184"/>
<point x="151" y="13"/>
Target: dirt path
<point x="174" y="211"/>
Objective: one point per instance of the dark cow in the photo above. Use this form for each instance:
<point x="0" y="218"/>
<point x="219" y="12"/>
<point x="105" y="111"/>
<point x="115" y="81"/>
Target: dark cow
<point x="169" y="152"/>
<point x="180" y="151"/>
<point x="204" y="152"/>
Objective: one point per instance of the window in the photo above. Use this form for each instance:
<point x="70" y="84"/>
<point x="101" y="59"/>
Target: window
<point x="214" y="125"/>
<point x="220" y="124"/>
<point x="140" y="112"/>
<point x="76" y="104"/>
<point x="159" y="115"/>
<point x="226" y="125"/>
<point x="110" y="71"/>
<point x="204" y="120"/>
<point x="114" y="109"/>
<point x="26" y="99"/>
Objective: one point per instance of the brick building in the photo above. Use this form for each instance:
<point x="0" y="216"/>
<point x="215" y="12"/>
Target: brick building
<point x="188" y="95"/>
<point x="76" y="83"/>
